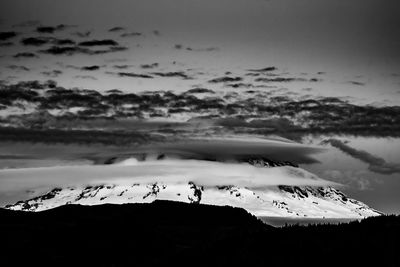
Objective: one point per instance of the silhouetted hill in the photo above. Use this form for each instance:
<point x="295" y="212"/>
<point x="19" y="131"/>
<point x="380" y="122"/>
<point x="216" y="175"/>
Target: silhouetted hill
<point x="166" y="232"/>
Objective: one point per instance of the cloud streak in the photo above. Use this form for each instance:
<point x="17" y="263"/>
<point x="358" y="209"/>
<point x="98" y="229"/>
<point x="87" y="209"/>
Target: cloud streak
<point x="376" y="164"/>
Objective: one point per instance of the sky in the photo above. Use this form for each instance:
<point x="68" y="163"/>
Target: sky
<point x="350" y="41"/>
<point x="344" y="49"/>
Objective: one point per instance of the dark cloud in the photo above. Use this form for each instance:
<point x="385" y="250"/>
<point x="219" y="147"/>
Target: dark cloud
<point x="86" y="77"/>
<point x="122" y="67"/>
<point x="226" y="79"/>
<point x="71" y="50"/>
<point x="53" y="73"/>
<point x="376" y="164"/>
<point x="25" y="55"/>
<point x="134" y="75"/>
<point x="106" y="42"/>
<point x="356" y="83"/>
<point x="199" y="91"/>
<point x="116" y="29"/>
<point x="267" y="69"/>
<point x="240" y="85"/>
<point x="83" y="34"/>
<point x="149" y="66"/>
<point x="63" y="42"/>
<point x="18" y="68"/>
<point x="7" y="35"/>
<point x="50" y="29"/>
<point x="280" y="79"/>
<point x="54" y="136"/>
<point x="207" y="49"/>
<point x="36" y="41"/>
<point x="178" y="46"/>
<point x="239" y="113"/>
<point x="39" y="41"/>
<point x="4" y="44"/>
<point x="91" y="68"/>
<point x="179" y="74"/>
<point x="131" y="34"/>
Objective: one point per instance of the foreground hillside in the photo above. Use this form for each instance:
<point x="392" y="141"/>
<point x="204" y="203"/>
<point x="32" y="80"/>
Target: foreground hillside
<point x="165" y="232"/>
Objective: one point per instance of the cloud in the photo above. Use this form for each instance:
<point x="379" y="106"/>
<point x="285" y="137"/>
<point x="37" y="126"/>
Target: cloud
<point x="134" y="75"/>
<point x="199" y="91"/>
<point x="18" y="68"/>
<point x="36" y="41"/>
<point x="91" y="68"/>
<point x="51" y="29"/>
<point x="63" y="42"/>
<point x="7" y="35"/>
<point x="122" y="67"/>
<point x="207" y="49"/>
<point x="267" y="69"/>
<point x="86" y="77"/>
<point x="71" y="50"/>
<point x="226" y="79"/>
<point x="4" y="44"/>
<point x="39" y="41"/>
<point x="376" y="164"/>
<point x="203" y="173"/>
<point x="83" y="34"/>
<point x="116" y="29"/>
<point x="228" y="148"/>
<point x="131" y="34"/>
<point x="106" y="42"/>
<point x="354" y="179"/>
<point x="149" y="66"/>
<point x="179" y="74"/>
<point x="25" y="55"/>
<point x="53" y="73"/>
<point x="280" y="79"/>
<point x="356" y="83"/>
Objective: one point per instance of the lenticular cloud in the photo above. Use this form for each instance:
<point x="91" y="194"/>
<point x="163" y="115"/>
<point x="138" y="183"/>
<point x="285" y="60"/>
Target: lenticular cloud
<point x="206" y="173"/>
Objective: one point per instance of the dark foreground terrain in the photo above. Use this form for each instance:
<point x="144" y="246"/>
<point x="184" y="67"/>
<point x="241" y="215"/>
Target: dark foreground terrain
<point x="170" y="234"/>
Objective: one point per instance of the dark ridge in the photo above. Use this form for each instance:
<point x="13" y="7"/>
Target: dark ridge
<point x="165" y="232"/>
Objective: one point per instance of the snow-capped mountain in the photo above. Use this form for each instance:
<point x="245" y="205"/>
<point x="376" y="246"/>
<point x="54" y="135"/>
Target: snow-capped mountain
<point x="272" y="201"/>
<point x="281" y="201"/>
